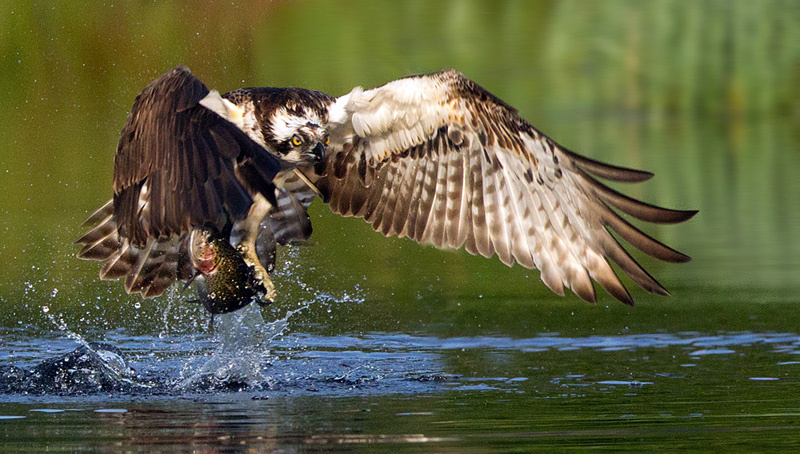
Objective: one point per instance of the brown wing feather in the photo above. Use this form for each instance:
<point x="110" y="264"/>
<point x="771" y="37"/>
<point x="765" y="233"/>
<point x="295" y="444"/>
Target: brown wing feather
<point x="184" y="156"/>
<point x="441" y="160"/>
<point x="178" y="166"/>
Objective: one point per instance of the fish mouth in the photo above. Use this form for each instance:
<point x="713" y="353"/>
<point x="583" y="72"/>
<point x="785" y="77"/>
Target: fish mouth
<point x="202" y="250"/>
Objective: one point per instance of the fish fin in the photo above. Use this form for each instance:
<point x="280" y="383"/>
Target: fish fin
<point x="191" y="279"/>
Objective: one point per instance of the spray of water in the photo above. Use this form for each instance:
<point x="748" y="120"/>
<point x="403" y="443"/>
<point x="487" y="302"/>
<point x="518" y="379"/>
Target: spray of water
<point x="110" y="361"/>
<point x="61" y="325"/>
<point x="242" y="339"/>
<point x="234" y="353"/>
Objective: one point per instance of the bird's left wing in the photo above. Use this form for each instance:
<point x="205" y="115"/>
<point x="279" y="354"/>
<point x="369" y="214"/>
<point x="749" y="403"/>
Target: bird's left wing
<point x="438" y="159"/>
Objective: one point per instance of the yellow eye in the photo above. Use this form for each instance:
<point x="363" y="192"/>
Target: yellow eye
<point x="296" y="141"/>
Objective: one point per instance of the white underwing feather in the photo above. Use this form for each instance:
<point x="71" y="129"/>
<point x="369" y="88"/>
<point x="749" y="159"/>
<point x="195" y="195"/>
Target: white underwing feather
<point x="496" y="186"/>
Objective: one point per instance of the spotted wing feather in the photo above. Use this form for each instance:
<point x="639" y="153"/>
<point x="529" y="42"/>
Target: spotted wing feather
<point x="440" y="160"/>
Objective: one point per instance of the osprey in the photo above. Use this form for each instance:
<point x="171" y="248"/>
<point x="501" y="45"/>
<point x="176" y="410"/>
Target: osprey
<point x="435" y="158"/>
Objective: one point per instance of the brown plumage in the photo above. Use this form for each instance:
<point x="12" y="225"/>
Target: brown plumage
<point x="187" y="158"/>
<point x="178" y="166"/>
<point x="476" y="175"/>
<point x="435" y="158"/>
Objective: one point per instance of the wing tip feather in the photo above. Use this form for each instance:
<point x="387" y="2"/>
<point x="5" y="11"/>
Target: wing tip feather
<point x="607" y="171"/>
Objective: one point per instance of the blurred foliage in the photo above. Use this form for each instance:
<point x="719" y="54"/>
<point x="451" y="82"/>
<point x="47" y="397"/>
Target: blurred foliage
<point x="704" y="92"/>
<point x="713" y="57"/>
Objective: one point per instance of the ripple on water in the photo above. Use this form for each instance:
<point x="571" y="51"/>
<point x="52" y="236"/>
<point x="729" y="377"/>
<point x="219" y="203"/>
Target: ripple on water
<point x="712" y="351"/>
<point x="247" y="353"/>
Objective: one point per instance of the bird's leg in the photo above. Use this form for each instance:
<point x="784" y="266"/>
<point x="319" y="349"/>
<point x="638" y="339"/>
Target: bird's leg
<point x="244" y="236"/>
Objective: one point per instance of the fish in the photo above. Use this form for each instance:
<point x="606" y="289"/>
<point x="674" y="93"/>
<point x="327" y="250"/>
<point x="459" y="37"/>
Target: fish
<point x="224" y="281"/>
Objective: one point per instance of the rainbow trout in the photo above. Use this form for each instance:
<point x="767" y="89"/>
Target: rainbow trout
<point x="225" y="282"/>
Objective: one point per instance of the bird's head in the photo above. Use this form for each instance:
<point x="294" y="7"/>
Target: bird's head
<point x="300" y="141"/>
<point x="296" y="132"/>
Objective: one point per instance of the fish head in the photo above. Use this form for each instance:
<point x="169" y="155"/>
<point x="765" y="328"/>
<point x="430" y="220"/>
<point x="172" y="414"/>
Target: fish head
<point x="203" y="249"/>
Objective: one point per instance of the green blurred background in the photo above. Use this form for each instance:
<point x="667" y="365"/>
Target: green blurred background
<point x="704" y="93"/>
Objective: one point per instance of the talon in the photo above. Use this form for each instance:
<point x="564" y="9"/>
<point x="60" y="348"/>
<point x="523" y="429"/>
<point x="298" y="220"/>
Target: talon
<point x="260" y="275"/>
<point x="263" y="302"/>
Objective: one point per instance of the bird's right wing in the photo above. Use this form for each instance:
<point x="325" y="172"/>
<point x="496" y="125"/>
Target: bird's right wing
<point x="181" y="163"/>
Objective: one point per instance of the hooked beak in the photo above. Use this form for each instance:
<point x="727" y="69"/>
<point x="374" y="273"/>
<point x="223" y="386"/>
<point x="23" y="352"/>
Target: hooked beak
<point x="319" y="152"/>
<point x="319" y="156"/>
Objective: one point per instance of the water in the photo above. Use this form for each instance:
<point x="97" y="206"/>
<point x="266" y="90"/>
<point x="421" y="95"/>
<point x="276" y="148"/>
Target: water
<point x="399" y="390"/>
<point x="378" y="344"/>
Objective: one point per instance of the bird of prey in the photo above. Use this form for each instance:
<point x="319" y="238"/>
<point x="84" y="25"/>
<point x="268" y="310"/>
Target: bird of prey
<point x="435" y="158"/>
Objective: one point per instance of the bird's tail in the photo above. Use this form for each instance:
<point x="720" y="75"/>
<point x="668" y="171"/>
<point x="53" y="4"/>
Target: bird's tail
<point x="148" y="269"/>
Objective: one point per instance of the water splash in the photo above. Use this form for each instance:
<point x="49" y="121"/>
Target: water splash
<point x="61" y="325"/>
<point x="243" y="339"/>
<point x="188" y="354"/>
<point x="242" y="350"/>
<point x="292" y="276"/>
<point x="100" y="359"/>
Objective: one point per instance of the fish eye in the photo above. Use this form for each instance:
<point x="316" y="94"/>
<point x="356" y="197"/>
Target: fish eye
<point x="296" y="140"/>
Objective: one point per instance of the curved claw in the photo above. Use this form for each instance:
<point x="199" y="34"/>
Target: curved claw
<point x="267" y="291"/>
<point x="263" y="282"/>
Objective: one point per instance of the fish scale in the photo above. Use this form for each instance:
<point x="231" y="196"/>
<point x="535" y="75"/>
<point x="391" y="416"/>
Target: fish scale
<point x="228" y="283"/>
